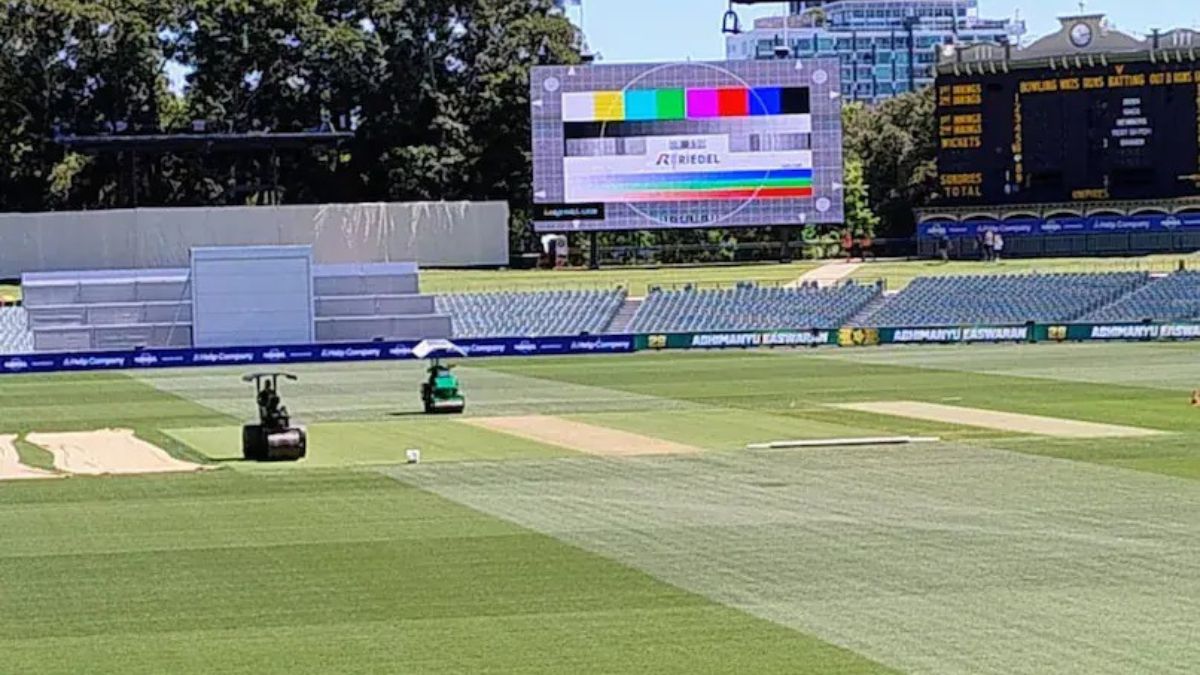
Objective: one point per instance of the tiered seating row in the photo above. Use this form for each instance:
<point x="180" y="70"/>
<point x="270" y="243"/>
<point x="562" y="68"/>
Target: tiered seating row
<point x="1003" y="299"/>
<point x="510" y="314"/>
<point x="1172" y="298"/>
<point x="750" y="308"/>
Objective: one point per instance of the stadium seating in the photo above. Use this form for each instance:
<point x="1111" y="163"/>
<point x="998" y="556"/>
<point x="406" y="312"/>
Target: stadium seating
<point x="507" y="314"/>
<point x="361" y="302"/>
<point x="127" y="309"/>
<point x="15" y="336"/>
<point x="1003" y="299"/>
<point x="1172" y="298"/>
<point x="109" y="309"/>
<point x="749" y="308"/>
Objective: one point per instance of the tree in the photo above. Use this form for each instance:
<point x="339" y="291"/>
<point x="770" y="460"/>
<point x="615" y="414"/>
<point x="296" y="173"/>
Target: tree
<point x="273" y="66"/>
<point x="860" y="219"/>
<point x="68" y="67"/>
<point x="504" y="41"/>
<point x="896" y="142"/>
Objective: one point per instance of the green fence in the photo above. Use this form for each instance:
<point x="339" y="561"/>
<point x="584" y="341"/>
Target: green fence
<point x="745" y="340"/>
<point x="1127" y="331"/>
<point x="868" y="337"/>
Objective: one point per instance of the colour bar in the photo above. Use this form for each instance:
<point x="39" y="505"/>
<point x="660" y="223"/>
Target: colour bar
<point x="656" y="105"/>
<point x="714" y="195"/>
<point x="708" y="186"/>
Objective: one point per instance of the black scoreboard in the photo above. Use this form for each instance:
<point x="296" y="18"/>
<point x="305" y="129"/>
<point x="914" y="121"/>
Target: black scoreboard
<point x="1115" y="132"/>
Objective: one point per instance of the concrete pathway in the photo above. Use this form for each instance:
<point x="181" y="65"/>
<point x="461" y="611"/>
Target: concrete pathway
<point x="827" y="275"/>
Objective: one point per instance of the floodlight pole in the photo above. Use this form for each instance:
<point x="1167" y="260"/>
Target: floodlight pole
<point x="593" y="251"/>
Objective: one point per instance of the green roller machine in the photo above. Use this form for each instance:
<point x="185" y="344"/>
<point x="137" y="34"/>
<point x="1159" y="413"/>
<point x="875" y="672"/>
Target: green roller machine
<point x="273" y="439"/>
<point x="440" y="392"/>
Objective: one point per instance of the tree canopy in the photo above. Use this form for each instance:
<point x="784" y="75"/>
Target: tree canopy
<point x="895" y="144"/>
<point x="435" y="91"/>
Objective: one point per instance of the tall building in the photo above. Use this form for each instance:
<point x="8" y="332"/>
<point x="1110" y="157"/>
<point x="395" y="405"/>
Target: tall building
<point x="886" y="47"/>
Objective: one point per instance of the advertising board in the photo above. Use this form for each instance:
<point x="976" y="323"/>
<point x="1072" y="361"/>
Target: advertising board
<point x="684" y="145"/>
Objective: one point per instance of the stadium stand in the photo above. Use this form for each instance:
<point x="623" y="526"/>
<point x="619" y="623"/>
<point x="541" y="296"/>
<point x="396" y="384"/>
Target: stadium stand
<point x="507" y="314"/>
<point x="15" y="337"/>
<point x="1171" y="298"/>
<point x="129" y="309"/>
<point x="361" y="302"/>
<point x="1003" y="299"/>
<point x="750" y="308"/>
<point x="116" y="309"/>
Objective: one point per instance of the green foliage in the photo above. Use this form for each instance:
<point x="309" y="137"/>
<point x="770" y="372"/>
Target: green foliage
<point x="860" y="219"/>
<point x="896" y="144"/>
<point x="438" y="91"/>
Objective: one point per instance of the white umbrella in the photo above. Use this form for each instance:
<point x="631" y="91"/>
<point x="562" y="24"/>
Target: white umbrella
<point x="427" y="348"/>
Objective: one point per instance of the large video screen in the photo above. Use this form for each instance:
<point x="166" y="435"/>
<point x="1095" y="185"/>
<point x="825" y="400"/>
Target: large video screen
<point x="1088" y="133"/>
<point x="687" y="145"/>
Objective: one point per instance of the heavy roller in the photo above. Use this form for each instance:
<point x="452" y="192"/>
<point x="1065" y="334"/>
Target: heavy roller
<point x="273" y="439"/>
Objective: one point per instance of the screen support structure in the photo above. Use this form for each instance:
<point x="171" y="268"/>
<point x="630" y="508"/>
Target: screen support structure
<point x="785" y="250"/>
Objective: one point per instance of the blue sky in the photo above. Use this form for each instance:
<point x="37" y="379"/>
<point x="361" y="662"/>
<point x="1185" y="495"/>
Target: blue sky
<point x="666" y="30"/>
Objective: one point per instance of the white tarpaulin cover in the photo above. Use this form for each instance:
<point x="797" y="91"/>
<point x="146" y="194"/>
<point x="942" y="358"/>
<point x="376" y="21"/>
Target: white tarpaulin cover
<point x="433" y="234"/>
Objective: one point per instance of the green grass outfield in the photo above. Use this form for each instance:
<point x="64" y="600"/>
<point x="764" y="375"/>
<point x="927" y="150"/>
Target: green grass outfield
<point x="636" y="279"/>
<point x="989" y="552"/>
<point x="900" y="274"/>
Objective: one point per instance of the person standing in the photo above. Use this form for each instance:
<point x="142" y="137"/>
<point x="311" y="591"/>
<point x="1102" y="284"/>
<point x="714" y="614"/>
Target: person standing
<point x="989" y="244"/>
<point x="997" y="246"/>
<point x="943" y="247"/>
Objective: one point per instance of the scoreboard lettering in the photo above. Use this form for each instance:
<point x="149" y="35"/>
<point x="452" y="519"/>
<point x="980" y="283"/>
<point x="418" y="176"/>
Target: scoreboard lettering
<point x="1090" y="134"/>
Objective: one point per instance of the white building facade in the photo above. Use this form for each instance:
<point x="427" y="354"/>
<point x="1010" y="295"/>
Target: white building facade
<point x="886" y="47"/>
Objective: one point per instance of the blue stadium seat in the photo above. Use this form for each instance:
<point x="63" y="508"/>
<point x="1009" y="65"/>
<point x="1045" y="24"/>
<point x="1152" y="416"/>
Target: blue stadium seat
<point x="513" y="314"/>
<point x="749" y="308"/>
<point x="1172" y="298"/>
<point x="1003" y="299"/>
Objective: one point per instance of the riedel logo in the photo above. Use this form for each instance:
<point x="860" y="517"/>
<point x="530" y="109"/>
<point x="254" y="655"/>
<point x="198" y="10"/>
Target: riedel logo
<point x="674" y="159"/>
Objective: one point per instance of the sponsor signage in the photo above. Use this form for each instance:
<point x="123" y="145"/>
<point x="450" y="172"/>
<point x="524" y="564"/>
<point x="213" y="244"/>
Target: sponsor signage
<point x="778" y="339"/>
<point x="1039" y="333"/>
<point x="944" y="335"/>
<point x="565" y="213"/>
<point x="744" y="340"/>
<point x="1060" y="226"/>
<point x="1167" y="331"/>
<point x="858" y="337"/>
<point x="328" y="353"/>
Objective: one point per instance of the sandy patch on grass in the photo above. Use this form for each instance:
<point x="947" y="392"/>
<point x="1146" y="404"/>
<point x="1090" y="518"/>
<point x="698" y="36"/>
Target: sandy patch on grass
<point x="1001" y="421"/>
<point x="11" y="467"/>
<point x="827" y="275"/>
<point x="581" y="437"/>
<point x="110" y="451"/>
